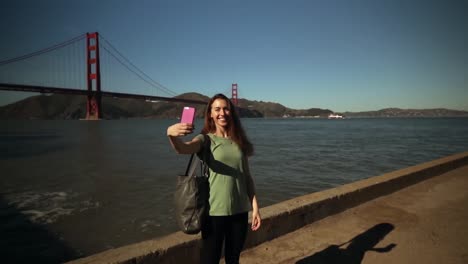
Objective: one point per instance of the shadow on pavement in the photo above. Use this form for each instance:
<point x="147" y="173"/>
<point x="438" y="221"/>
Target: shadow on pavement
<point x="354" y="252"/>
<point x="22" y="241"/>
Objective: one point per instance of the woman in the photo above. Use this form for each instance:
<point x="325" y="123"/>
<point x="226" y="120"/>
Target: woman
<point x="232" y="190"/>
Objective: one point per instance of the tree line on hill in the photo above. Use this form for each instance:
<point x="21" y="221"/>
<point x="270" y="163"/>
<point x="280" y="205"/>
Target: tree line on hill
<point x="60" y="106"/>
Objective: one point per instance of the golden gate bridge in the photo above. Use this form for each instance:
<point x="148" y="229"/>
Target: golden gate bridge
<point x="97" y="71"/>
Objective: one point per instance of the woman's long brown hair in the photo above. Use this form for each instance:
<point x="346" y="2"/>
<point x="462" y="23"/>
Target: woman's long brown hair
<point x="234" y="129"/>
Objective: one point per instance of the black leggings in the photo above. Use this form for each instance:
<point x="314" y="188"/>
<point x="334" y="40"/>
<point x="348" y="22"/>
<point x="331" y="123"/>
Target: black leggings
<point x="232" y="230"/>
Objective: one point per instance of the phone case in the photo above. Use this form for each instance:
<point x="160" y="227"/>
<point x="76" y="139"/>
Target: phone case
<point x="188" y="115"/>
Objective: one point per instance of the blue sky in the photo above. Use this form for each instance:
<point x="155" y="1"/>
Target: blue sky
<point x="339" y="55"/>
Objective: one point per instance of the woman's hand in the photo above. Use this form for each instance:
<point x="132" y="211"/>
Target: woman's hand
<point x="180" y="129"/>
<point x="256" y="220"/>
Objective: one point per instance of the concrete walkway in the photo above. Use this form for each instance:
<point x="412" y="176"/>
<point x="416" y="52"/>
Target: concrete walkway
<point x="424" y="223"/>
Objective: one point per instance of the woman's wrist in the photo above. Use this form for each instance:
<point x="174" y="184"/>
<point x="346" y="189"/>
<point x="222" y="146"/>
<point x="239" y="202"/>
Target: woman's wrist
<point x="168" y="132"/>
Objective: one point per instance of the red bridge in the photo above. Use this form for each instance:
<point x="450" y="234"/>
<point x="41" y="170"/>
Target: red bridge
<point x="67" y="68"/>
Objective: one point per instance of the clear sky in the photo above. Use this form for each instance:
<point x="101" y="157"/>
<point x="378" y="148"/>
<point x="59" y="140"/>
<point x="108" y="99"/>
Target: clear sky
<point x="341" y="55"/>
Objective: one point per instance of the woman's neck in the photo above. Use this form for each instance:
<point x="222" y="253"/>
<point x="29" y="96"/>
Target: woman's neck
<point x="221" y="132"/>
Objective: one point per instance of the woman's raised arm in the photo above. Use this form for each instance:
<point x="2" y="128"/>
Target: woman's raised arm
<point x="178" y="130"/>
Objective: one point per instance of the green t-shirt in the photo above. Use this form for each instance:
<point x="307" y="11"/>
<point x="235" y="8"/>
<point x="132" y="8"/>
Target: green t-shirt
<point x="228" y="182"/>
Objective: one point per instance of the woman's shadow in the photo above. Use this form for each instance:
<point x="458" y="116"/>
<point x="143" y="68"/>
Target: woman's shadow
<point x="354" y="252"/>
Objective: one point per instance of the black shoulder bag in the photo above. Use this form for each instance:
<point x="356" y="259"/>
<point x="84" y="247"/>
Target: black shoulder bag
<point x="192" y="192"/>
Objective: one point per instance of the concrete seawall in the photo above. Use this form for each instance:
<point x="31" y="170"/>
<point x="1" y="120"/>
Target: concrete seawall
<point x="284" y="217"/>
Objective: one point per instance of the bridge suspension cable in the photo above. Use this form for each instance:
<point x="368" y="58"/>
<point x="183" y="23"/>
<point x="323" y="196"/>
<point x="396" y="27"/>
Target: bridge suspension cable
<point x="142" y="75"/>
<point x="39" y="52"/>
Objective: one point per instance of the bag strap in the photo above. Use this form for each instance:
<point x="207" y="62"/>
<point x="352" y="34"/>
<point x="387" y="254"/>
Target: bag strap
<point x="189" y="165"/>
<point x="205" y="148"/>
<point x="202" y="155"/>
<point x="205" y="155"/>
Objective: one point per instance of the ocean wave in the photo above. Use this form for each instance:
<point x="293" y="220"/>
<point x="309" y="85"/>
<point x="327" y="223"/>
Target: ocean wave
<point x="49" y="207"/>
<point x="148" y="225"/>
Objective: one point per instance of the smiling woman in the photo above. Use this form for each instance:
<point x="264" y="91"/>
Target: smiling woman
<point x="232" y="189"/>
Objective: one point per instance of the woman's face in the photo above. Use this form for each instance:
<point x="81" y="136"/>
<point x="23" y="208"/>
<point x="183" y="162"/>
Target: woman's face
<point x="220" y="112"/>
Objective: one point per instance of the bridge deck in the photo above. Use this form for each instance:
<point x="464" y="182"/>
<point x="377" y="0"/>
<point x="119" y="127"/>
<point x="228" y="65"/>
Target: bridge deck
<point x="423" y="223"/>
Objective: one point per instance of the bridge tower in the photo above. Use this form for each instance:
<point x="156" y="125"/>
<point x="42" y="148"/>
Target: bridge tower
<point x="234" y="94"/>
<point x="93" y="105"/>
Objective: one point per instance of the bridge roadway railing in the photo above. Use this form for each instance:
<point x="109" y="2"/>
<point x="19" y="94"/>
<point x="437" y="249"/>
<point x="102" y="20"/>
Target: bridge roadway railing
<point x="284" y="217"/>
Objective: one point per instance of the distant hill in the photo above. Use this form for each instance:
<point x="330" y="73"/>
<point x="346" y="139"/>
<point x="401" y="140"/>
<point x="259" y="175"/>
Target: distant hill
<point x="397" y="112"/>
<point x="59" y="106"/>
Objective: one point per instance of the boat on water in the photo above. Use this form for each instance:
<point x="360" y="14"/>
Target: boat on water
<point x="335" y="116"/>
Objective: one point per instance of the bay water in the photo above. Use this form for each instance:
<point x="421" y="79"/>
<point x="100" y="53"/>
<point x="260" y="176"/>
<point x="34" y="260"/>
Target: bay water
<point x="73" y="188"/>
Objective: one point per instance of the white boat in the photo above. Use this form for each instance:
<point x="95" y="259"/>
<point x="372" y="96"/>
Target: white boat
<point x="335" y="116"/>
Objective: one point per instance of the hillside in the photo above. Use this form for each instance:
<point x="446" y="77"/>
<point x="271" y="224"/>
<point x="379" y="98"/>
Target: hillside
<point x="397" y="112"/>
<point x="59" y="106"/>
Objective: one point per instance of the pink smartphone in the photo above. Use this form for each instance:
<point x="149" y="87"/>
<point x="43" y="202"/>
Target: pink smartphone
<point x="188" y="115"/>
